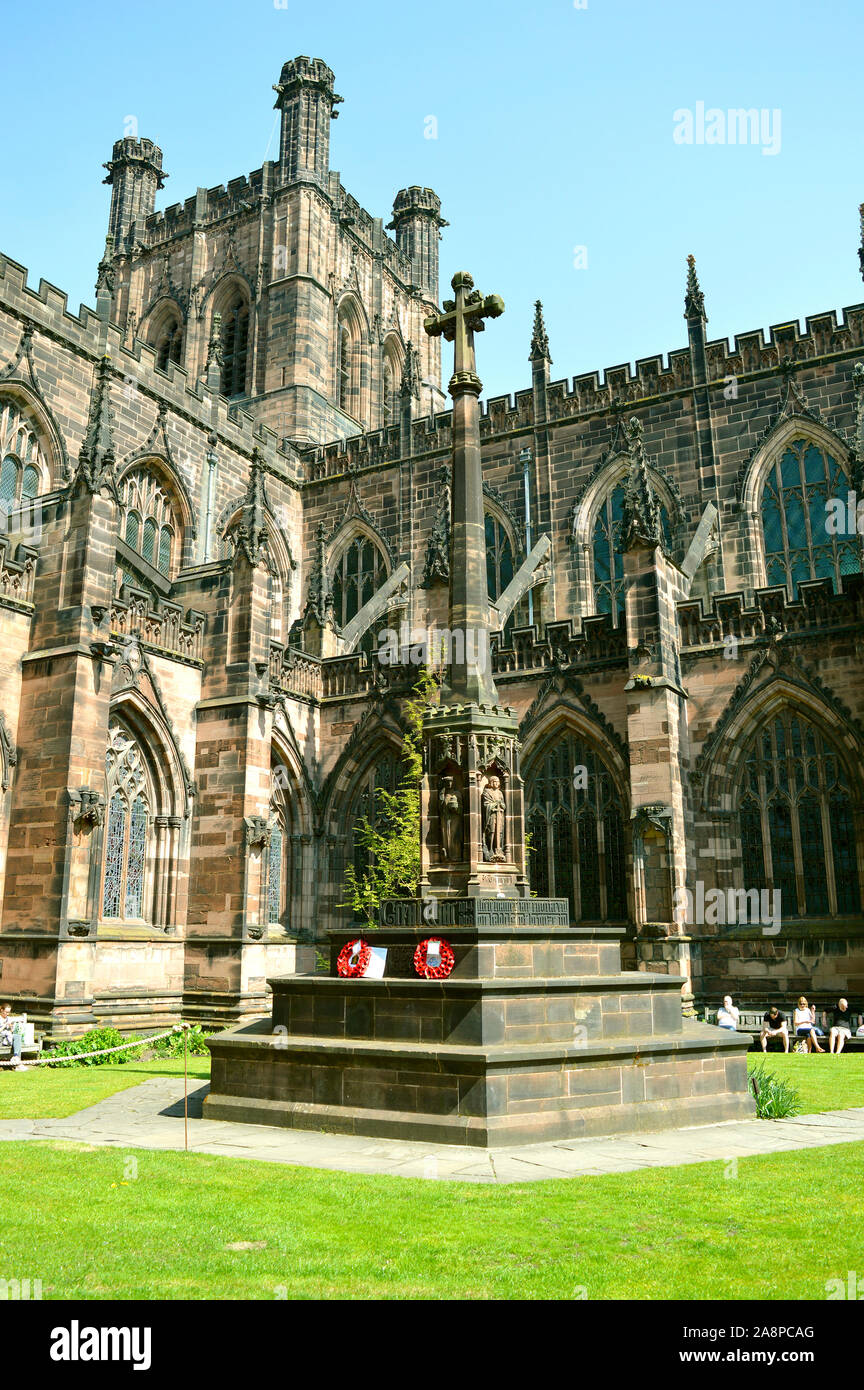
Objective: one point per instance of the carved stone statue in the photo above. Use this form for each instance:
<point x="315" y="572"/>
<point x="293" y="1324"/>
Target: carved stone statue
<point x="450" y="816"/>
<point x="494" y="811"/>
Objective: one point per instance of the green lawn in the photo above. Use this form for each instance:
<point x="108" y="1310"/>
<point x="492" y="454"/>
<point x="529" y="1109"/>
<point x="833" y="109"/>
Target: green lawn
<point x="103" y="1228"/>
<point x="47" y="1093"/>
<point x="823" y="1083"/>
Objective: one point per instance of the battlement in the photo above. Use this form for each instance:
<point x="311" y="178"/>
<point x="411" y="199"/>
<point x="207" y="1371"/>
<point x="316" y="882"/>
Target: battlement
<point x="87" y="335"/>
<point x="817" y="609"/>
<point x="303" y="71"/>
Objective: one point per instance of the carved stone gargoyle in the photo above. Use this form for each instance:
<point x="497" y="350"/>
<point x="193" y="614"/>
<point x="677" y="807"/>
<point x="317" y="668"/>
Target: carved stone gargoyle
<point x="257" y="832"/>
<point x="88" y="808"/>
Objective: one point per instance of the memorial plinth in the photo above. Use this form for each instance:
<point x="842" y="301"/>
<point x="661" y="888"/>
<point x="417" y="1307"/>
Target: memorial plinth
<point x="536" y="1035"/>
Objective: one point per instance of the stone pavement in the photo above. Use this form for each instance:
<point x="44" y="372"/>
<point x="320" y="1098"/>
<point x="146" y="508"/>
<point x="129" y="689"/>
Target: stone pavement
<point x="150" y="1116"/>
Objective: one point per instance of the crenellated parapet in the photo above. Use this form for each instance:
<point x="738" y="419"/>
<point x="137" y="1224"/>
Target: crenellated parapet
<point x="562" y="645"/>
<point x="817" y="610"/>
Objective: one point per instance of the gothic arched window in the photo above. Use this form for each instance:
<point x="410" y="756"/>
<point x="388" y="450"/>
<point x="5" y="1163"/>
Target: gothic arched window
<point x="575" y="821"/>
<point x="798" y="542"/>
<point x="796" y="820"/>
<point x="277" y="888"/>
<point x="500" y="568"/>
<point x="358" y="573"/>
<point x="148" y="524"/>
<point x="367" y="806"/>
<point x="608" y="560"/>
<point x="344" y="365"/>
<point x="169" y="344"/>
<point x="21" y="463"/>
<point x="235" y="345"/>
<point x="124" y="890"/>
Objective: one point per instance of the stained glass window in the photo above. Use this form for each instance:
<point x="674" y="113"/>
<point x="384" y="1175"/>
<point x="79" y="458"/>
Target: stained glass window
<point x="274" y="884"/>
<point x="135" y="861"/>
<point x="343" y="365"/>
<point x="116" y="840"/>
<point x="798" y="543"/>
<point x="577" y="831"/>
<point x="359" y="572"/>
<point x="795" y="820"/>
<point x="500" y="568"/>
<point x="126" y="836"/>
<point x="608" y="560"/>
<point x="20" y="473"/>
<point x="143" y="496"/>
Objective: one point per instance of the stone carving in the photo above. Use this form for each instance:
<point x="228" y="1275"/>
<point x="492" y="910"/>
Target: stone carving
<point x="88" y="808"/>
<point x="494" y="814"/>
<point x="257" y="832"/>
<point x="450" y="818"/>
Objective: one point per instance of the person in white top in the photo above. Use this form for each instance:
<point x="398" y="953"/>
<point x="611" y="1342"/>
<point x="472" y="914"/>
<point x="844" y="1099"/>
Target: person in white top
<point x="728" y="1015"/>
<point x="804" y="1020"/>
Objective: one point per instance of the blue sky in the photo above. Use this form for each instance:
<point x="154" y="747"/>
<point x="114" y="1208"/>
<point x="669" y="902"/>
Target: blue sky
<point x="555" y="130"/>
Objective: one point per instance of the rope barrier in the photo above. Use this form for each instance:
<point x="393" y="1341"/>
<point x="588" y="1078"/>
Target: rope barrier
<point x="56" y="1060"/>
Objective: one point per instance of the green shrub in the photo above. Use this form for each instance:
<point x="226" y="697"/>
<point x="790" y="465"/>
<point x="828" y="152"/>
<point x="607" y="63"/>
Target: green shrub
<point x="776" y="1099"/>
<point x="69" y="1054"/>
<point x="172" y="1046"/>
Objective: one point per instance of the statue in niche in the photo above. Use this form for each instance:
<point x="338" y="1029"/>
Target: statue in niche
<point x="494" y="811"/>
<point x="450" y="816"/>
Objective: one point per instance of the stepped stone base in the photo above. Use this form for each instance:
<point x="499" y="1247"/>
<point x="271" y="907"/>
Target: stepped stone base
<point x="536" y="1035"/>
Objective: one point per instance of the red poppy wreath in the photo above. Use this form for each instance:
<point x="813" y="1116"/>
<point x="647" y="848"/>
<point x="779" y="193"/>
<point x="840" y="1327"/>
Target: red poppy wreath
<point x="435" y="965"/>
<point x="353" y="958"/>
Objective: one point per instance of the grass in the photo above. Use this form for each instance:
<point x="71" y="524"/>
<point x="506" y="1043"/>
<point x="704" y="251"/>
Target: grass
<point x="823" y="1083"/>
<point x="144" y="1224"/>
<point x="48" y="1093"/>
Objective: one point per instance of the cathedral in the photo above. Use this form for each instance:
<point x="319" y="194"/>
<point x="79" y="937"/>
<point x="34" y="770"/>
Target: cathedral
<point x="226" y="482"/>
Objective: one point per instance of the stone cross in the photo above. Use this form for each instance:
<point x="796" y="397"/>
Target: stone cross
<point x="461" y="319"/>
<point x="468" y="677"/>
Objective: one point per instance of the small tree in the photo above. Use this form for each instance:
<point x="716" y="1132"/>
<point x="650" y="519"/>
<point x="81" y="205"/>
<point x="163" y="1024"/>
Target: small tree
<point x="392" y="839"/>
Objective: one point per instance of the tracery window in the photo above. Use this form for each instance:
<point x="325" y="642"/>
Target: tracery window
<point x="500" y="568"/>
<point x="796" y="820"/>
<point x="609" y="585"/>
<point x="359" y="572"/>
<point x="344" y="352"/>
<point x="388" y="393"/>
<point x="147" y="520"/>
<point x="21" y="464"/>
<point x="575" y="821"/>
<point x="276" y="890"/>
<point x="798" y="543"/>
<point x="235" y="346"/>
<point x="127" y="830"/>
<point x="169" y="344"/>
<point x="367" y="806"/>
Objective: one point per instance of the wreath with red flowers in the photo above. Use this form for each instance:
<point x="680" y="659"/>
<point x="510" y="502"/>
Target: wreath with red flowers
<point x="434" y="972"/>
<point x="353" y="958"/>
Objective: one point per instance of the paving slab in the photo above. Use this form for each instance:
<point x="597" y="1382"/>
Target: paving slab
<point x="150" y="1116"/>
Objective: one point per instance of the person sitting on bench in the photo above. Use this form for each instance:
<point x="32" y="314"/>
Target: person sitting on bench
<point x="11" y="1036"/>
<point x="727" y="1014"/>
<point x="774" y="1025"/>
<point x="841" y="1027"/>
<point x="804" y="1019"/>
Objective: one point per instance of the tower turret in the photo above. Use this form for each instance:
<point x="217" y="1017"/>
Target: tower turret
<point x="417" y="222"/>
<point x="307" y="101"/>
<point x="135" y="175"/>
